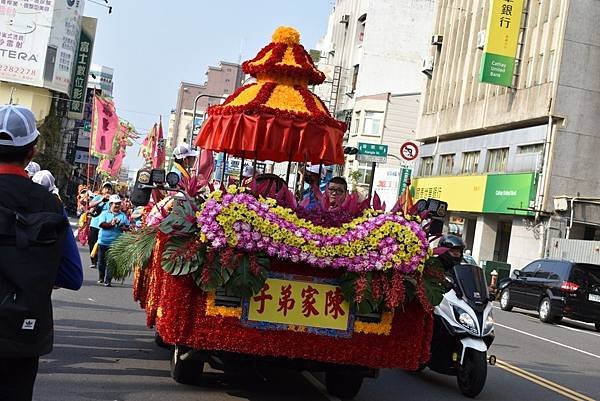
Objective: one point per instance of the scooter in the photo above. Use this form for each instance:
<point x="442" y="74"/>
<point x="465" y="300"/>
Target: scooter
<point x="463" y="330"/>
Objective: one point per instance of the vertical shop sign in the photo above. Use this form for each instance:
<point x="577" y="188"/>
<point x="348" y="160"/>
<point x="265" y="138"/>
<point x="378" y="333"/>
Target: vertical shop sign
<point x="502" y="36"/>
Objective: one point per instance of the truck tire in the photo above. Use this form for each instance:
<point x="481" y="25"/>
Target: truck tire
<point x="342" y="385"/>
<point x="472" y="374"/>
<point x="505" y="304"/>
<point x="159" y="341"/>
<point x="188" y="371"/>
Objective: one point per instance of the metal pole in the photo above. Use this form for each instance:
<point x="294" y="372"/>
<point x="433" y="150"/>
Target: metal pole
<point x="223" y="167"/>
<point x="196" y="110"/>
<point x="373" y="165"/>
<point x="242" y="171"/>
<point x="319" y="178"/>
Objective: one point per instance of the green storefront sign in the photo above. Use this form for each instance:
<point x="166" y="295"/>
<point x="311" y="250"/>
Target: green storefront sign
<point x="509" y="193"/>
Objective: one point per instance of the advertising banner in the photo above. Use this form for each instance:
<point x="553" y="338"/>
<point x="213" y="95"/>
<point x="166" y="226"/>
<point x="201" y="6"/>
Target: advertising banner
<point x="83" y="60"/>
<point x="25" y="27"/>
<point x="64" y="39"/>
<point x="386" y="184"/>
<point x="502" y="36"/>
<point x="506" y="192"/>
<point x="494" y="193"/>
<point x="464" y="193"/>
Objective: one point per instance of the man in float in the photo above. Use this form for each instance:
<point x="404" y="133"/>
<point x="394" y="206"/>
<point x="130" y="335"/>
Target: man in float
<point x="184" y="160"/>
<point x="337" y="190"/>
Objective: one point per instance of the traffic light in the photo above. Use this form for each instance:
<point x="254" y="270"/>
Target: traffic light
<point x="350" y="150"/>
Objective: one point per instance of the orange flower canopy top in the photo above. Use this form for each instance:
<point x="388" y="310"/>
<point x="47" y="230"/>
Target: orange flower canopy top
<point x="277" y="118"/>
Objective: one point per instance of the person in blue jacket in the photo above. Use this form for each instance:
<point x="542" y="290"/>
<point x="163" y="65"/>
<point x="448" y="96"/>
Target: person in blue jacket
<point x="112" y="223"/>
<point x="98" y="201"/>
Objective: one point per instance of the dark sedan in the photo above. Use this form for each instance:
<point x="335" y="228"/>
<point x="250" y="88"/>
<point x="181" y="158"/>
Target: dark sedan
<point x="556" y="289"/>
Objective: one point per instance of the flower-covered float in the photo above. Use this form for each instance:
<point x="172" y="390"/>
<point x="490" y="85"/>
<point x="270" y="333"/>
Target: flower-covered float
<point x="247" y="271"/>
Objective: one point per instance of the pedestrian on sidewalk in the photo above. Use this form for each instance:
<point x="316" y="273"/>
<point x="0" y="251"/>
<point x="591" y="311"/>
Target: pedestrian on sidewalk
<point x="98" y="205"/>
<point x="112" y="223"/>
<point x="31" y="259"/>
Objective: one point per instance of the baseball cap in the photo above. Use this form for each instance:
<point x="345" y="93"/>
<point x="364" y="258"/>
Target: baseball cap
<point x="183" y="151"/>
<point x="32" y="168"/>
<point x="114" y="199"/>
<point x="19" y="123"/>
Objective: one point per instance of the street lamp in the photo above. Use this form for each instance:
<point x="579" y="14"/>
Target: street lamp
<point x="195" y="111"/>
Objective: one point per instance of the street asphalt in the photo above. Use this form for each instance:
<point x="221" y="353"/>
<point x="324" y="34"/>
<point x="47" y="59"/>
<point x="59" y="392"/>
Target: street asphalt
<point x="103" y="351"/>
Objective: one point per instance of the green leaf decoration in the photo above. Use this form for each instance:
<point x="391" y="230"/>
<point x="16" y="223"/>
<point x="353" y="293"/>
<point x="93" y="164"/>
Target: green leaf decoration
<point x="183" y="256"/>
<point x="132" y="249"/>
<point x="181" y="220"/>
<point x="242" y="281"/>
<point x="434" y="290"/>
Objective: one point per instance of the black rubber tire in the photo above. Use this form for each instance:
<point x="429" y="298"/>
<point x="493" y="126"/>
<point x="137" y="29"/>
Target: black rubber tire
<point x="187" y="371"/>
<point x="473" y="373"/>
<point x="159" y="341"/>
<point x="505" y="304"/>
<point x="545" y="312"/>
<point x="342" y="385"/>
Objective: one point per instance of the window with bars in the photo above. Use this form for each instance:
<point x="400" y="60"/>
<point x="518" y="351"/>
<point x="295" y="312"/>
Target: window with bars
<point x="496" y="160"/>
<point x="470" y="162"/>
<point x="446" y="164"/>
<point x="426" y="166"/>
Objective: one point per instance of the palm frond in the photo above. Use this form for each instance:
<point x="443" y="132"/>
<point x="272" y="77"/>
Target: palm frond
<point x="130" y="250"/>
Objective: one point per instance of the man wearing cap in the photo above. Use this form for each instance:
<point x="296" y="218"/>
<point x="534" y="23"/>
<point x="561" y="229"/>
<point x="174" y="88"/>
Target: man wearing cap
<point x="102" y="202"/>
<point x="112" y="223"/>
<point x="18" y="138"/>
<point x="184" y="160"/>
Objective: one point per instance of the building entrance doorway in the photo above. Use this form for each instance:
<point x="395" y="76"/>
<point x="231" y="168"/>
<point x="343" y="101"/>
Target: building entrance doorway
<point x="502" y="241"/>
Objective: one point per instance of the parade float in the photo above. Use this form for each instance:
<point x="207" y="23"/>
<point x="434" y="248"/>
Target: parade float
<point x="237" y="274"/>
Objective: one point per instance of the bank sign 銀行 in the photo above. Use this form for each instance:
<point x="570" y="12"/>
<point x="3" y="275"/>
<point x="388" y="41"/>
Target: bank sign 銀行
<point x="502" y="36"/>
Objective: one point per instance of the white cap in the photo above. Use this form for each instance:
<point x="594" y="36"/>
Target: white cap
<point x="315" y="169"/>
<point x="114" y="199"/>
<point x="32" y="168"/>
<point x="248" y="171"/>
<point x="19" y="123"/>
<point x="45" y="179"/>
<point x="183" y="151"/>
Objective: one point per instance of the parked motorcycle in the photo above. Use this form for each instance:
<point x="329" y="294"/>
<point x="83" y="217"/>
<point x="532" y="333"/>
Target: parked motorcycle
<point x="463" y="330"/>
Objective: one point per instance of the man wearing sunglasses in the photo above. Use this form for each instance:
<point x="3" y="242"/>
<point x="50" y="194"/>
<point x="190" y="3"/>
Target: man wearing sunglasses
<point x="337" y="190"/>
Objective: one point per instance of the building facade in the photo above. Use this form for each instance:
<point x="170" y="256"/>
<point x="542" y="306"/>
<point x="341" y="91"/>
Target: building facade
<point x="373" y="82"/>
<point x="502" y="155"/>
<point x="101" y="78"/>
<point x="221" y="82"/>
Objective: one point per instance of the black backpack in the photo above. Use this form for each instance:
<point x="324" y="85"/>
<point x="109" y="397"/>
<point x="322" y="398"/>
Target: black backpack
<point x="31" y="247"/>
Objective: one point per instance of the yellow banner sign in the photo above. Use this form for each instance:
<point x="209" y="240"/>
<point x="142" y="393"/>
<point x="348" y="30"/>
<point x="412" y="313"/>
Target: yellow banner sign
<point x="298" y="303"/>
<point x="504" y="25"/>
<point x="464" y="193"/>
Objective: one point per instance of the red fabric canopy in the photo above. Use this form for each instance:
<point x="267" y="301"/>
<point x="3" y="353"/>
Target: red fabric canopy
<point x="270" y="137"/>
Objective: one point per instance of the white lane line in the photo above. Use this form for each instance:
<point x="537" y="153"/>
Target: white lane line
<point x="319" y="386"/>
<point x="550" y="341"/>
<point x="591" y="325"/>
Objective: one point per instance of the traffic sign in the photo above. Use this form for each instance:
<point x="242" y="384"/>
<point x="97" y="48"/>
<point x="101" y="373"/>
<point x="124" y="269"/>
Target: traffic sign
<point x="372" y="152"/>
<point x="409" y="151"/>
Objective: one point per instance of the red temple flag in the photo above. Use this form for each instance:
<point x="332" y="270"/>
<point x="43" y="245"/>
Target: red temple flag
<point x="160" y="154"/>
<point x="105" y="125"/>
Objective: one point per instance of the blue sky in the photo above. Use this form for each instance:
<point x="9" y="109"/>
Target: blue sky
<point x="153" y="45"/>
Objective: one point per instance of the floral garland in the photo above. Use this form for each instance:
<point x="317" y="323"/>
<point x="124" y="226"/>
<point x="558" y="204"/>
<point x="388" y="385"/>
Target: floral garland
<point x="372" y="242"/>
<point x="273" y="65"/>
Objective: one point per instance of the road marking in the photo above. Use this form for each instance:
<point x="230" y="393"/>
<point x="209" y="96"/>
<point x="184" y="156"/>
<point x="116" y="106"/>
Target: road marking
<point x="320" y="386"/>
<point x="578" y="330"/>
<point x="557" y="388"/>
<point x="550" y="341"/>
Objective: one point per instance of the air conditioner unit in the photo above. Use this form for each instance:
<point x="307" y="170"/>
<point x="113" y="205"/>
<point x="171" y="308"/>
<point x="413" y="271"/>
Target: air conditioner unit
<point x="437" y="40"/>
<point x="427" y="67"/>
<point x="561" y="204"/>
<point x="481" y="39"/>
<point x="345" y="19"/>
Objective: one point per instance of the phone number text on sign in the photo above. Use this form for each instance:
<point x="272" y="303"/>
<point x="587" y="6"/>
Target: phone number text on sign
<point x="316" y="306"/>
